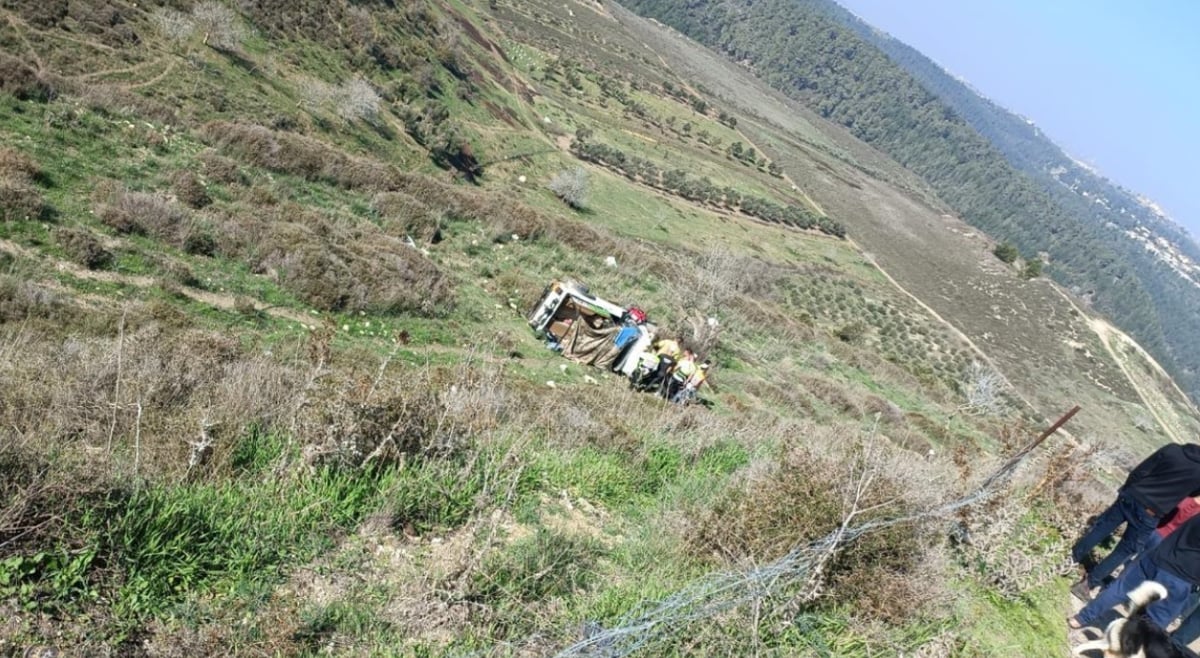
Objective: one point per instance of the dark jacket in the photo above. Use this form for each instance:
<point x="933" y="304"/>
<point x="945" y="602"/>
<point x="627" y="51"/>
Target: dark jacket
<point x="1179" y="553"/>
<point x="1166" y="477"/>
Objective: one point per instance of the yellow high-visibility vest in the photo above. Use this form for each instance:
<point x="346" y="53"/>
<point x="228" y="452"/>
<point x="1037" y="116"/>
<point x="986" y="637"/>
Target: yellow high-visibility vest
<point x="668" y="347"/>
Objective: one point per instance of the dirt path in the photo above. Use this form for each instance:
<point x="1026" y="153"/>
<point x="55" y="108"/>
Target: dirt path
<point x="944" y="322"/>
<point x="223" y="301"/>
<point x="146" y="83"/>
<point x="121" y="71"/>
<point x="1108" y="333"/>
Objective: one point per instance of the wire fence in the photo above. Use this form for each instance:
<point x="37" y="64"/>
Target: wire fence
<point x="799" y="570"/>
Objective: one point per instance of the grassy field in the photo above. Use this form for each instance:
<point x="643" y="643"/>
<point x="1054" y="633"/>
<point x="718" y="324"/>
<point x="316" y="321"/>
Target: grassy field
<point x="269" y="389"/>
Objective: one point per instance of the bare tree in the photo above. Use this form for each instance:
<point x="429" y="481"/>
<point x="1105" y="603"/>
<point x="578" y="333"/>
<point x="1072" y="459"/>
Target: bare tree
<point x="720" y="275"/>
<point x="571" y="186"/>
<point x="352" y="100"/>
<point x="356" y="99"/>
<point x="314" y="94"/>
<point x="984" y="389"/>
<point x="175" y="25"/>
<point x="220" y="25"/>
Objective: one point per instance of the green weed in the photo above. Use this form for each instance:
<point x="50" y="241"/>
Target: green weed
<point x="545" y="565"/>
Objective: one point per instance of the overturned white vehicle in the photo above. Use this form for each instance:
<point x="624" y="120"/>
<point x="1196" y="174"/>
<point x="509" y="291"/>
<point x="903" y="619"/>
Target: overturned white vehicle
<point x="591" y="330"/>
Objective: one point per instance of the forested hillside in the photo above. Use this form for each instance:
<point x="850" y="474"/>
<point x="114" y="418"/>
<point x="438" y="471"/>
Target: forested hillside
<point x="1130" y="225"/>
<point x="799" y="48"/>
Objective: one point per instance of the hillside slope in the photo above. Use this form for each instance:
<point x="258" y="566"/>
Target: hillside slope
<point x="1165" y="258"/>
<point x="800" y="49"/>
<point x="269" y="387"/>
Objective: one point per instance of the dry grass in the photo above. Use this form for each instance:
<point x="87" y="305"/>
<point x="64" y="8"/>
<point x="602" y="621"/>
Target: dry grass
<point x="302" y="156"/>
<point x="114" y="99"/>
<point x="22" y="299"/>
<point x="137" y="389"/>
<point x="801" y="495"/>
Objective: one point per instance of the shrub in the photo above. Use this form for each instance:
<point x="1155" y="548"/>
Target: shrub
<point x="20" y="202"/>
<point x="16" y="167"/>
<point x="449" y="148"/>
<point x="308" y="158"/>
<point x="139" y="213"/>
<point x="190" y="191"/>
<point x="180" y="273"/>
<point x="198" y="239"/>
<point x="1006" y="252"/>
<point x="571" y="186"/>
<point x="337" y="271"/>
<point x="794" y="500"/>
<point x="220" y="169"/>
<point x="404" y="215"/>
<point x="1033" y="269"/>
<point x="23" y="82"/>
<point x="82" y="247"/>
<point x="853" y="332"/>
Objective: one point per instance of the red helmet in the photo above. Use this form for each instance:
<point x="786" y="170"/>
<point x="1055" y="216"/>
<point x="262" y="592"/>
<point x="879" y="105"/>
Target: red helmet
<point x="638" y="315"/>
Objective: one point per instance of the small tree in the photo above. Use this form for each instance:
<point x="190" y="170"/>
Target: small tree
<point x="1033" y="269"/>
<point x="983" y="387"/>
<point x="1006" y="252"/>
<point x="219" y="24"/>
<point x="571" y="186"/>
<point x="356" y="99"/>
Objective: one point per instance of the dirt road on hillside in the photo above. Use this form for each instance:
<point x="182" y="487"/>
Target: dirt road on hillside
<point x="1107" y="333"/>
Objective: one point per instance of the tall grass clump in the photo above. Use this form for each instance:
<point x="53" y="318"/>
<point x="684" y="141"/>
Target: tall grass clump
<point x="20" y="198"/>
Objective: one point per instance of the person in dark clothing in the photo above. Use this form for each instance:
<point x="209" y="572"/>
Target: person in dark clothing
<point x="1175" y="564"/>
<point x="1152" y="490"/>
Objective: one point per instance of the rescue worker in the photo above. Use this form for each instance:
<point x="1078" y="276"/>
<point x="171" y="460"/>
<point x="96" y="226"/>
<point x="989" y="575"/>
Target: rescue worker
<point x="692" y="385"/>
<point x="646" y="366"/>
<point x="668" y="351"/>
<point x="668" y="347"/>
<point x="684" y="370"/>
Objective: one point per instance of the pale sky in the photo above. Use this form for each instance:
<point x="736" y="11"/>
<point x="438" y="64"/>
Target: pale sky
<point x="1115" y="83"/>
